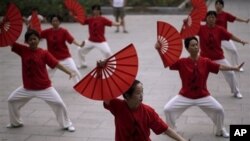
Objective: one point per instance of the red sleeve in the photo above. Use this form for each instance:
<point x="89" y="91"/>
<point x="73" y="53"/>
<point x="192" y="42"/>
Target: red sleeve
<point x="230" y="17"/>
<point x="225" y="34"/>
<point x="113" y="105"/>
<point x="69" y="37"/>
<point x="107" y="22"/>
<point x="213" y="67"/>
<point x="44" y="34"/>
<point x="156" y="123"/>
<point x="18" y="48"/>
<point x="175" y="66"/>
<point x="51" y="61"/>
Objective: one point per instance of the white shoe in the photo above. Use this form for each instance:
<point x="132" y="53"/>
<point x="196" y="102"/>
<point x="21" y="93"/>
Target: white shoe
<point x="223" y="133"/>
<point x="238" y="95"/>
<point x="71" y="128"/>
<point x="241" y="69"/>
<point x="14" y="126"/>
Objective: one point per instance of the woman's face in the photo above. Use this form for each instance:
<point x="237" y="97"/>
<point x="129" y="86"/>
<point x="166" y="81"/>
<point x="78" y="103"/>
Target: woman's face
<point x="55" y="22"/>
<point x="193" y="48"/>
<point x="218" y="6"/>
<point x="211" y="19"/>
<point x="33" y="41"/>
<point x="137" y="96"/>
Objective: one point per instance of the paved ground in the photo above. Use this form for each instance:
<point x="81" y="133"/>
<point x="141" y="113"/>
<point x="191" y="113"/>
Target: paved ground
<point x="92" y="122"/>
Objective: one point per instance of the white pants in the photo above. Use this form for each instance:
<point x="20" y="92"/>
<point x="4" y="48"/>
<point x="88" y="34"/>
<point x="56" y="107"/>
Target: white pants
<point x="21" y="96"/>
<point x="229" y="76"/>
<point x="70" y="64"/>
<point x="178" y="104"/>
<point x="89" y="45"/>
<point x="232" y="51"/>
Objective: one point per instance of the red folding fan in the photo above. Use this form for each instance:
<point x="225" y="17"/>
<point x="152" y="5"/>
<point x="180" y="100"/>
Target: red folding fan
<point x="35" y="23"/>
<point x="11" y="26"/>
<point x="170" y="43"/>
<point x="76" y="10"/>
<point x="201" y="6"/>
<point x="112" y="79"/>
<point x="191" y="25"/>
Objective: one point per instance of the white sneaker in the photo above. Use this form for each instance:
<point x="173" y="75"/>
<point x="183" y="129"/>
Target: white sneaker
<point x="71" y="128"/>
<point x="222" y="133"/>
<point x="241" y="69"/>
<point x="238" y="95"/>
<point x="14" y="126"/>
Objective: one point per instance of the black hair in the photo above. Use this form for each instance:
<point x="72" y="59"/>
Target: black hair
<point x="220" y="2"/>
<point x="130" y="91"/>
<point x="188" y="40"/>
<point x="96" y="7"/>
<point x="213" y="13"/>
<point x="55" y="16"/>
<point x="29" y="33"/>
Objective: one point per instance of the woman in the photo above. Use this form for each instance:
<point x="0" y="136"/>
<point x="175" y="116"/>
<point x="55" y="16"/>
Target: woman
<point x="36" y="82"/>
<point x="96" y="24"/>
<point x="56" y="38"/>
<point x="211" y="36"/>
<point x="133" y="119"/>
<point x="194" y="72"/>
<point x="221" y="20"/>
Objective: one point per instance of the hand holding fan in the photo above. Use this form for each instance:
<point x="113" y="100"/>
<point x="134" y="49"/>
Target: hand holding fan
<point x="111" y="79"/>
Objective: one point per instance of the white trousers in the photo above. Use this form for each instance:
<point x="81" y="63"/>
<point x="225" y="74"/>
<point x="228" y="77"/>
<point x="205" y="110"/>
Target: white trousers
<point x="89" y="45"/>
<point x="178" y="104"/>
<point x="21" y="96"/>
<point x="70" y="64"/>
<point x="229" y="76"/>
<point x="232" y="51"/>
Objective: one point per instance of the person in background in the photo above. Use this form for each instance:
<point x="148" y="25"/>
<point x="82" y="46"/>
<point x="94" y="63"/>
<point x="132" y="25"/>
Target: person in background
<point x="211" y="36"/>
<point x="119" y="13"/>
<point x="222" y="19"/>
<point x="56" y="38"/>
<point x="96" y="24"/>
<point x="40" y="17"/>
<point x="194" y="71"/>
<point x="36" y="82"/>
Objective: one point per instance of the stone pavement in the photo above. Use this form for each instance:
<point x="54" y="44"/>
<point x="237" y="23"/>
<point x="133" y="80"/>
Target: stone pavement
<point x="92" y="121"/>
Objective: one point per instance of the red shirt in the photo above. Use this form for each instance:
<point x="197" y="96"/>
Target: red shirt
<point x="224" y="17"/>
<point x="194" y="76"/>
<point x="210" y="41"/>
<point x="134" y="125"/>
<point x="56" y="42"/>
<point x="97" y="28"/>
<point x="34" y="71"/>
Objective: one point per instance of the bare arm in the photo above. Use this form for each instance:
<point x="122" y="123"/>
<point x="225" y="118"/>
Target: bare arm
<point x="239" y="40"/>
<point x="229" y="68"/>
<point x="77" y="43"/>
<point x="171" y="133"/>
<point x="242" y="20"/>
<point x="116" y="23"/>
<point x="67" y="71"/>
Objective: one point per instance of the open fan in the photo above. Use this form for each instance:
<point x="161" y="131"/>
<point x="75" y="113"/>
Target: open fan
<point x="35" y="23"/>
<point x="201" y="6"/>
<point x="11" y="26"/>
<point x="191" y="25"/>
<point x="170" y="43"/>
<point x="76" y="10"/>
<point x="113" y="79"/>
